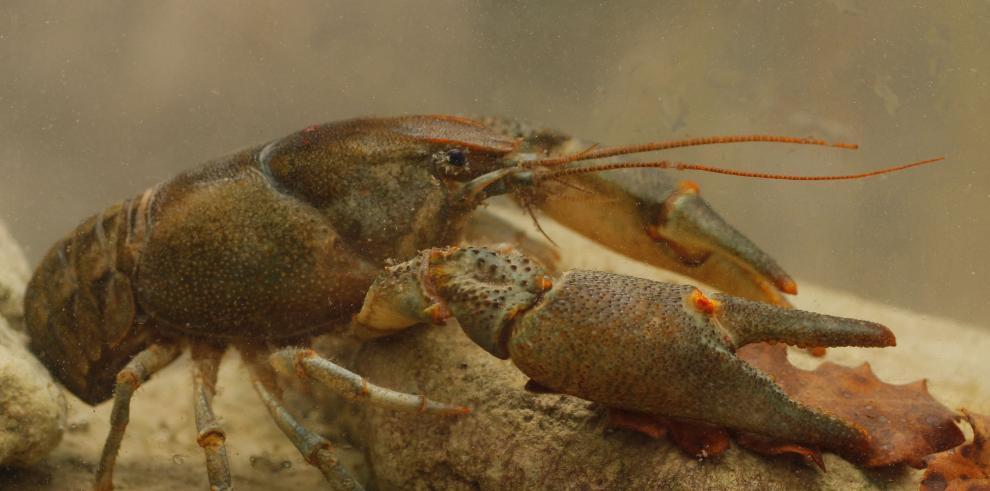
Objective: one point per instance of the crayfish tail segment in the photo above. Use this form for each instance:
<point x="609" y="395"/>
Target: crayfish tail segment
<point x="751" y="322"/>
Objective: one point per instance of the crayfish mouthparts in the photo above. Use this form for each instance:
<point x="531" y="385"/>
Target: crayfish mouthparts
<point x="629" y="343"/>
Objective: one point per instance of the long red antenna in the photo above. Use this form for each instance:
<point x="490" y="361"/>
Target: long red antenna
<point x="666" y="164"/>
<point x="593" y="153"/>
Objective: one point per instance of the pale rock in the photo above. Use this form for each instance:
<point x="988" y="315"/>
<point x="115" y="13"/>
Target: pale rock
<point x="32" y="407"/>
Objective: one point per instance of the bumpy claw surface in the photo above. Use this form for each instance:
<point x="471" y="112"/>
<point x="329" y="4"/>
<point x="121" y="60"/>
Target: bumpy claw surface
<point x="629" y="343"/>
<point x="665" y="349"/>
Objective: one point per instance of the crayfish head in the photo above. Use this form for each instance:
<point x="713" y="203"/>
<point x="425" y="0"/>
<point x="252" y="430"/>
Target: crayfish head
<point x="322" y="161"/>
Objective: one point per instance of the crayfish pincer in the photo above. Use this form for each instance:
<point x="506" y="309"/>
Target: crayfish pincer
<point x="266" y="248"/>
<point x="628" y="343"/>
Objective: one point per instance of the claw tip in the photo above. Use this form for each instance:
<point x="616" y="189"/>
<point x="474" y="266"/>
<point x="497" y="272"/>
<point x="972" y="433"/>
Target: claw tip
<point x="787" y="285"/>
<point x="689" y="187"/>
<point x="888" y="339"/>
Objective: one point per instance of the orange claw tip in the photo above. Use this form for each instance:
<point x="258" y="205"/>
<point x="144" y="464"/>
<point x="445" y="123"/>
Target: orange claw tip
<point x="688" y="187"/>
<point x="786" y="285"/>
<point x="887" y="339"/>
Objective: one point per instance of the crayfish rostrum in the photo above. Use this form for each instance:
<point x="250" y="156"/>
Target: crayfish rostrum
<point x="270" y="246"/>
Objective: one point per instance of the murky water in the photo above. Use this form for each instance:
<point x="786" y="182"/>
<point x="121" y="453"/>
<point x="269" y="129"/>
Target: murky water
<point x="100" y="100"/>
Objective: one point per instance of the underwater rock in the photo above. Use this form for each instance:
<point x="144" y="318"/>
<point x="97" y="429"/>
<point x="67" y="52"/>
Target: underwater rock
<point x="32" y="407"/>
<point x="515" y="439"/>
<point x="14" y="275"/>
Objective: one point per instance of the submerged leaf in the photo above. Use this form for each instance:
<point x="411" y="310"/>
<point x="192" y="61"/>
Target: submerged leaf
<point x="765" y="446"/>
<point x="697" y="440"/>
<point x="963" y="468"/>
<point x="904" y="422"/>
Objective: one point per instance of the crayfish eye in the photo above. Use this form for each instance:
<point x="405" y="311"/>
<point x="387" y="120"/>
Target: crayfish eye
<point x="452" y="162"/>
<point x="456" y="157"/>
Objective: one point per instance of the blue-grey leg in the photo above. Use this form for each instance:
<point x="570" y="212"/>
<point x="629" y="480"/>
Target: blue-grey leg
<point x="135" y="373"/>
<point x="314" y="448"/>
<point x="353" y="386"/>
<point x="209" y="434"/>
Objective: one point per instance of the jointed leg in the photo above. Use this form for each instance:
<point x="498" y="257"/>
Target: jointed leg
<point x="314" y="448"/>
<point x="210" y="435"/>
<point x="353" y="386"/>
<point x="137" y="371"/>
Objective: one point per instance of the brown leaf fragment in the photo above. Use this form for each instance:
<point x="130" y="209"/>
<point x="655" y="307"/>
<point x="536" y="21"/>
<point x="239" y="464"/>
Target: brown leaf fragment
<point x="701" y="441"/>
<point x="904" y="422"/>
<point x="762" y="445"/>
<point x="696" y="440"/>
<point x="651" y="426"/>
<point x="966" y="468"/>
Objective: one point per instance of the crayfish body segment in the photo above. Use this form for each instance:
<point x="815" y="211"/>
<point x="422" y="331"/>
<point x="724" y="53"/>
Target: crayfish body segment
<point x="628" y="343"/>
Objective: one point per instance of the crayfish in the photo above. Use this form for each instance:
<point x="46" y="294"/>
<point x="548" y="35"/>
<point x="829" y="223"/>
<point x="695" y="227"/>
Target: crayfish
<point x="270" y="246"/>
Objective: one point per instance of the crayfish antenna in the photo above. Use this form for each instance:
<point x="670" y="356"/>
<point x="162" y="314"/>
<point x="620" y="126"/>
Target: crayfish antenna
<point x="668" y="164"/>
<point x="593" y="153"/>
<point x="750" y="322"/>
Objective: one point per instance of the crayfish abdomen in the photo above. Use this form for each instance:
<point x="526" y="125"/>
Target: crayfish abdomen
<point x="80" y="310"/>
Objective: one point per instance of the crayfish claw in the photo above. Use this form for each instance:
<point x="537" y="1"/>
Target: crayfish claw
<point x="688" y="223"/>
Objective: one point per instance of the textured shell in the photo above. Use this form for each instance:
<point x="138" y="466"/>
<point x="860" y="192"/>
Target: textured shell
<point x="89" y="309"/>
<point x="455" y="130"/>
<point x="79" y="306"/>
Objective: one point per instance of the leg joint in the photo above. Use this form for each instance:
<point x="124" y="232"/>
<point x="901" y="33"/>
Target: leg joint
<point x="298" y="362"/>
<point x="211" y="438"/>
<point x="128" y="379"/>
<point x="322" y="455"/>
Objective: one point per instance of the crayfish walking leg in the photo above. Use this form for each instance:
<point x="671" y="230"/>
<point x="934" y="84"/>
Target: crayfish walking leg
<point x="137" y="371"/>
